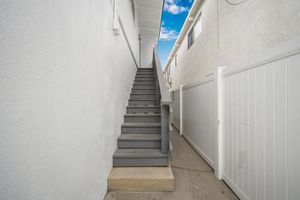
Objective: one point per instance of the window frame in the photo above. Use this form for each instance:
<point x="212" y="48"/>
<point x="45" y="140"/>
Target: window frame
<point x="191" y="40"/>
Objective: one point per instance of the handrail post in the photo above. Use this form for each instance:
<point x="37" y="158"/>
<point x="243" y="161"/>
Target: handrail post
<point x="165" y="120"/>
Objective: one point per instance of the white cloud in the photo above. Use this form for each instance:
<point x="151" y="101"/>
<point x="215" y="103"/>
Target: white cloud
<point x="172" y="7"/>
<point x="168" y="34"/>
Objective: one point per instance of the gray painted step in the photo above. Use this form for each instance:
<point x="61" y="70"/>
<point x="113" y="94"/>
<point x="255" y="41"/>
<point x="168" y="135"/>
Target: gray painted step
<point x="145" y="128"/>
<point x="139" y="141"/>
<point x="146" y="69"/>
<point x="143" y="109"/>
<point x="142" y="96"/>
<point x="140" y="157"/>
<point x="132" y="102"/>
<point x="145" y="72"/>
<point x="145" y="81"/>
<point x="145" y="76"/>
<point x="143" y="91"/>
<point x="141" y="117"/>
<point x="152" y="84"/>
<point x="144" y="86"/>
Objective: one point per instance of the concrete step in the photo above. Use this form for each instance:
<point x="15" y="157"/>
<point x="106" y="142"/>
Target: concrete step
<point x="142" y="96"/>
<point x="139" y="141"/>
<point x="139" y="157"/>
<point x="143" y="91"/>
<point x="141" y="179"/>
<point x="145" y="128"/>
<point x="143" y="109"/>
<point x="132" y="102"/>
<point x="141" y="117"/>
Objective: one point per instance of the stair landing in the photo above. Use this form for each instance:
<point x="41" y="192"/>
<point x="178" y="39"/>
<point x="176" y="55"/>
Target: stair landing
<point x="141" y="179"/>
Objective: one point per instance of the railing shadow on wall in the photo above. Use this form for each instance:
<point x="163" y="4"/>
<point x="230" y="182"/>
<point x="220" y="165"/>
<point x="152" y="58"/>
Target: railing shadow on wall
<point x="244" y="123"/>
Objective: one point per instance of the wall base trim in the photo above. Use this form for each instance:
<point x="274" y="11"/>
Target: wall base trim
<point x="176" y="126"/>
<point x="210" y="162"/>
<point x="234" y="188"/>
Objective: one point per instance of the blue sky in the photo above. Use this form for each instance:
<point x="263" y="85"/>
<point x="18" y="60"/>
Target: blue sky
<point x="174" y="15"/>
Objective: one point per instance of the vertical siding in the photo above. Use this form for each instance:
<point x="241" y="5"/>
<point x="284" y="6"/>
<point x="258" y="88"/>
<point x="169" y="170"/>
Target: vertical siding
<point x="261" y="128"/>
<point x="261" y="117"/>
<point x="199" y="118"/>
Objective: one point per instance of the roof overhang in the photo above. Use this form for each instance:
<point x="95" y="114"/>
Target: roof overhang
<point x="149" y="17"/>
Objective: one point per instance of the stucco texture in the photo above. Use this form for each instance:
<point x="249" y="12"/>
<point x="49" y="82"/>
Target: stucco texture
<point x="236" y="36"/>
<point x="63" y="95"/>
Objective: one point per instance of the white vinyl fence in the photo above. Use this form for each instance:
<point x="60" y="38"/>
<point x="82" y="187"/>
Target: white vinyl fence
<point x="261" y="128"/>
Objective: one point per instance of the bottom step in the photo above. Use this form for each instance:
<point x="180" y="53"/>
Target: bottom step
<point x="140" y="158"/>
<point x="141" y="179"/>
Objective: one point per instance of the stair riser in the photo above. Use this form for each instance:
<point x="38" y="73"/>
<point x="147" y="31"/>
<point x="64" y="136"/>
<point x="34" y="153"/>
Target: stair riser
<point x="142" y="119"/>
<point x="143" y="110"/>
<point x="142" y="96"/>
<point x="145" y="70"/>
<point x="144" y="130"/>
<point x="140" y="162"/>
<point x="143" y="102"/>
<point x="143" y="91"/>
<point x="145" y="73"/>
<point x="144" y="82"/>
<point x="144" y="87"/>
<point x="122" y="144"/>
<point x="145" y="78"/>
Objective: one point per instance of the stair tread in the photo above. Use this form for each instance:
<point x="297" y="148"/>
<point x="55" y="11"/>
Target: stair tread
<point x="139" y="153"/>
<point x="138" y="83"/>
<point x="143" y="106"/>
<point x="152" y="89"/>
<point x="142" y="114"/>
<point x="141" y="124"/>
<point x="134" y="93"/>
<point x="141" y="136"/>
<point x="143" y="99"/>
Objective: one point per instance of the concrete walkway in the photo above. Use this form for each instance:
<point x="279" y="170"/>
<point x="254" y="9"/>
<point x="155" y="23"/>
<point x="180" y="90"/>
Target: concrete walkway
<point x="194" y="179"/>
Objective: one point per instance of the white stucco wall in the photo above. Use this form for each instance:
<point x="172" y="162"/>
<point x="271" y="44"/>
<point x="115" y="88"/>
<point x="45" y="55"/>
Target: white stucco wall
<point x="147" y="45"/>
<point x="235" y="36"/>
<point x="64" y="82"/>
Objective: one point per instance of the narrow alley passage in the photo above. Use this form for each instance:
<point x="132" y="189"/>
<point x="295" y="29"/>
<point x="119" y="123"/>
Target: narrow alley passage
<point x="194" y="179"/>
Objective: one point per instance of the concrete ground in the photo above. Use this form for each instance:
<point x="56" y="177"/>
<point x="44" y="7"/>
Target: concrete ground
<point x="194" y="179"/>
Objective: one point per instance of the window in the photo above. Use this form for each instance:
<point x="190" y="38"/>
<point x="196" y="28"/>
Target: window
<point x="195" y="31"/>
<point x="132" y="9"/>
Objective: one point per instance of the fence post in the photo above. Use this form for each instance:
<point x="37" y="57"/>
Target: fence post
<point x="180" y="110"/>
<point x="220" y="136"/>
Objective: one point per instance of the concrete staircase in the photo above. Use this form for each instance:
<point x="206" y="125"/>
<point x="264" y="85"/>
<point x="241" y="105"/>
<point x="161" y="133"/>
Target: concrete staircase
<point x="140" y="141"/>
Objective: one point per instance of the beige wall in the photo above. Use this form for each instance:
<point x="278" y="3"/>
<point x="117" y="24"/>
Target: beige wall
<point x="236" y="36"/>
